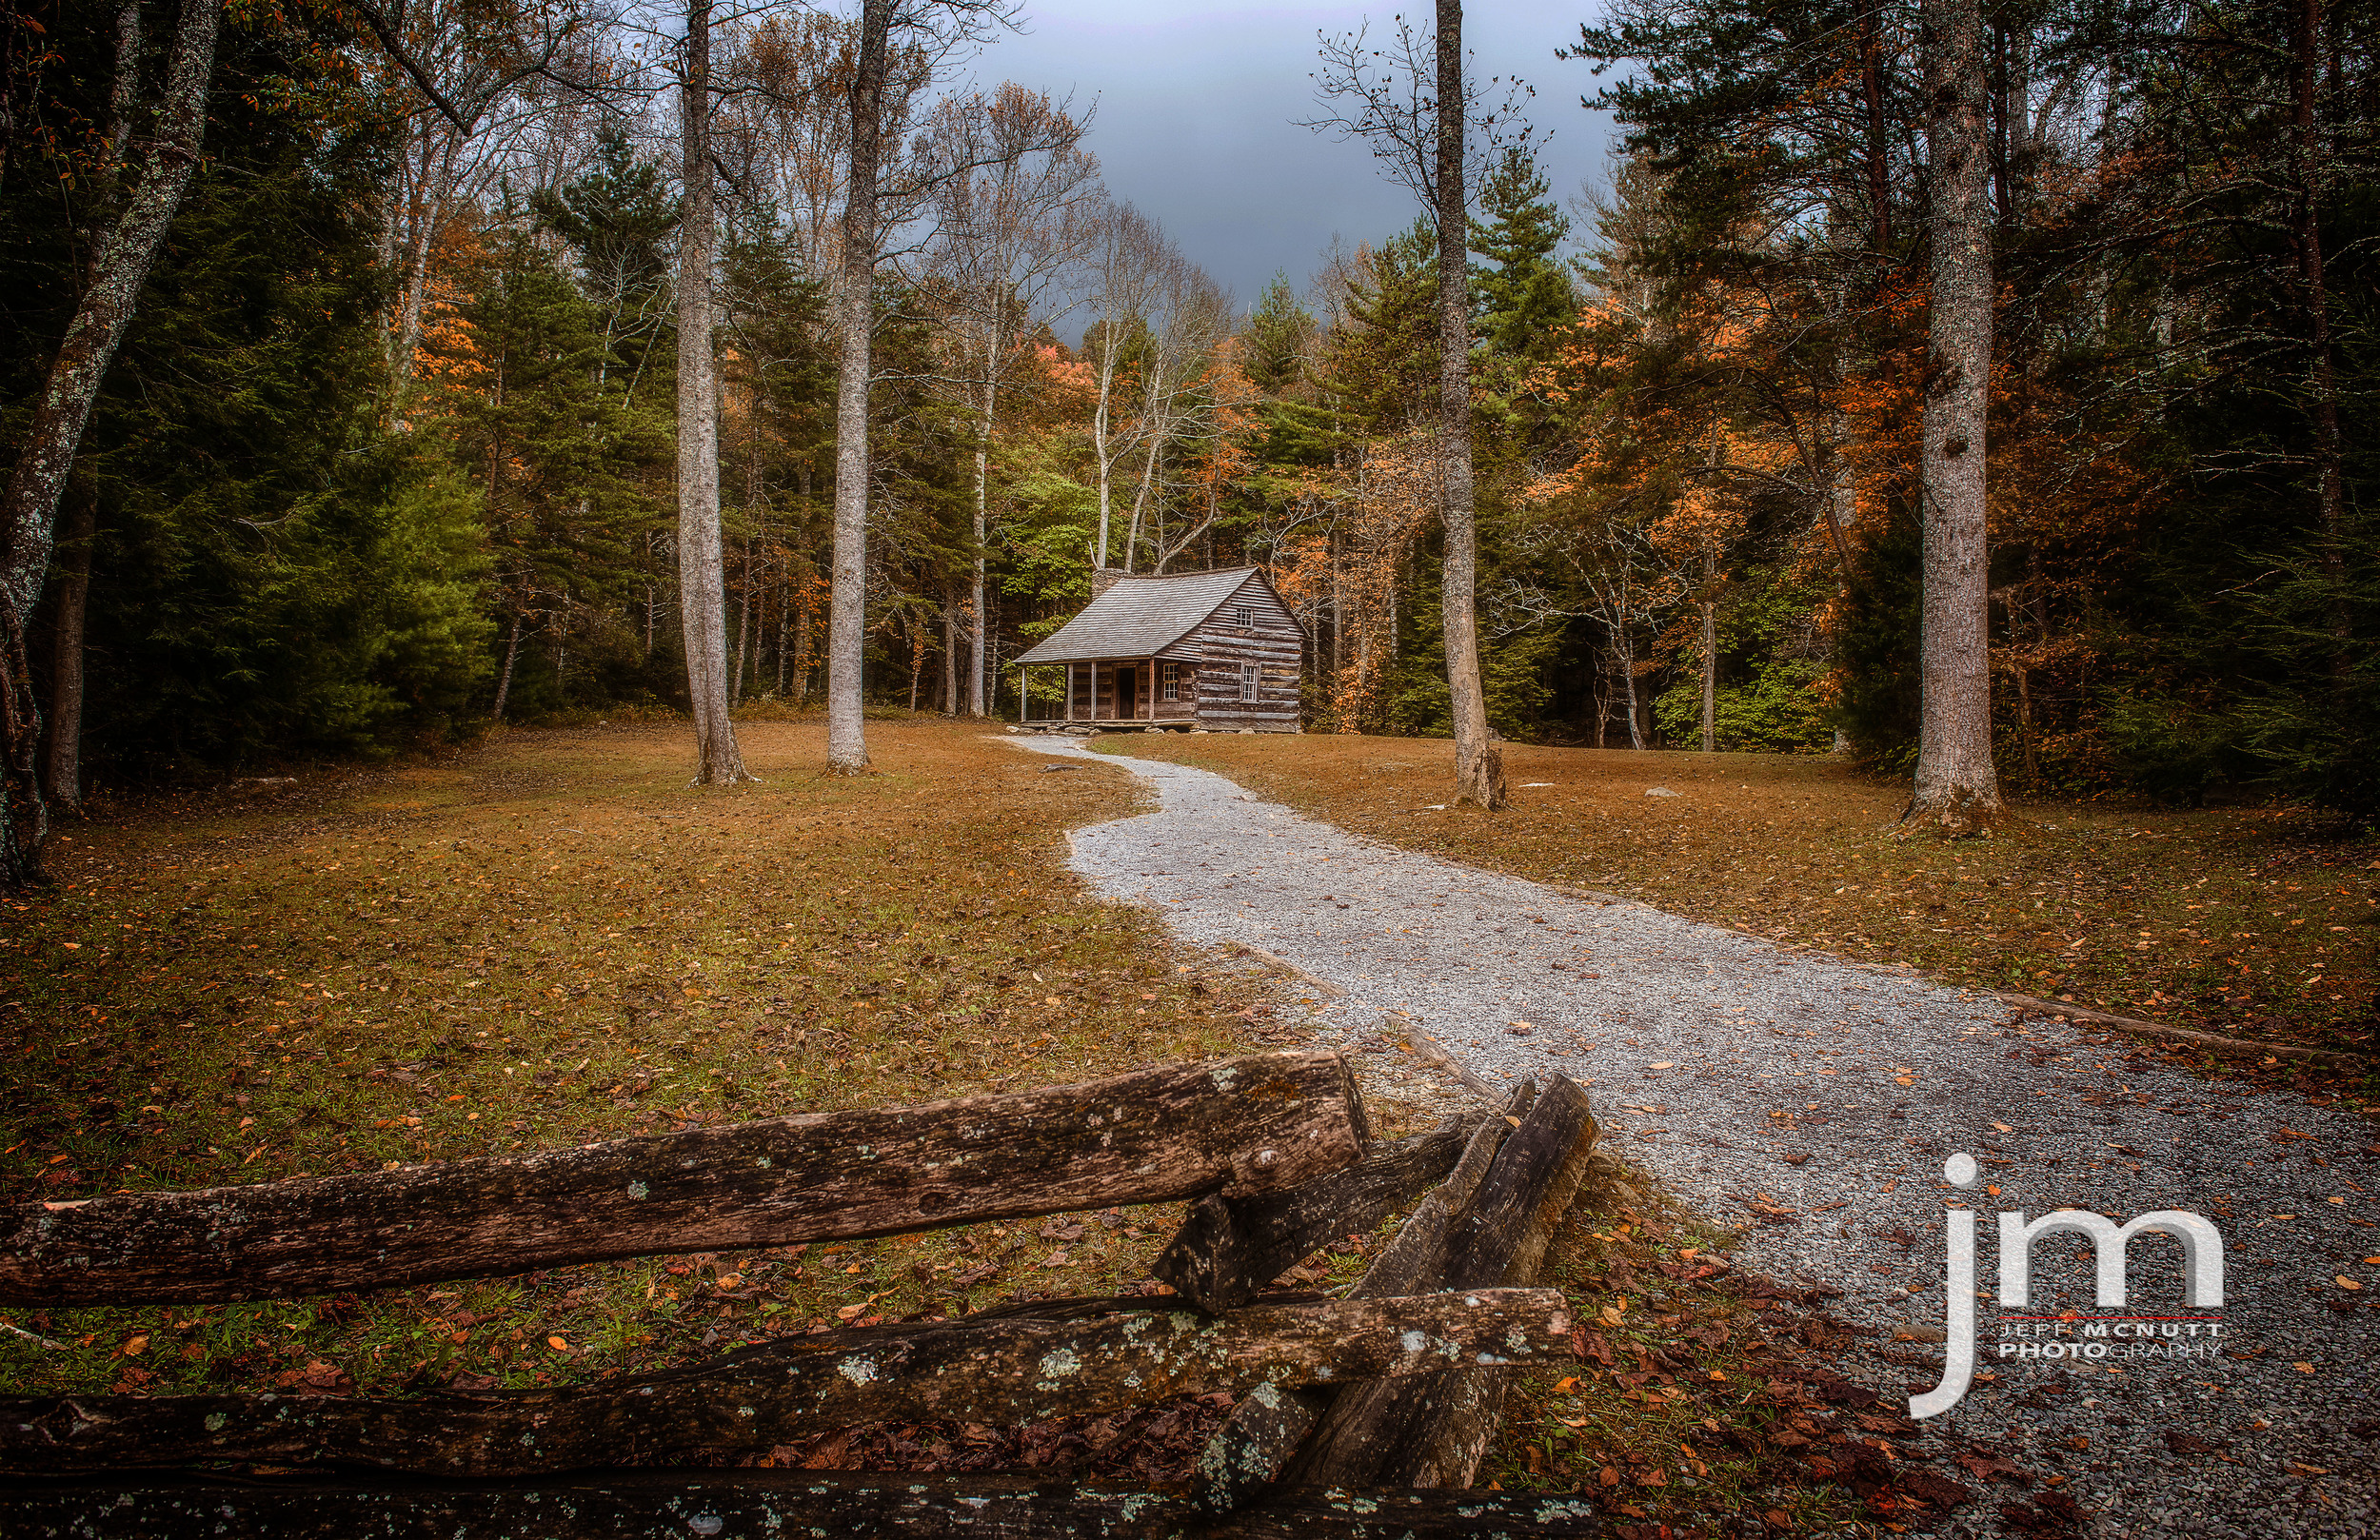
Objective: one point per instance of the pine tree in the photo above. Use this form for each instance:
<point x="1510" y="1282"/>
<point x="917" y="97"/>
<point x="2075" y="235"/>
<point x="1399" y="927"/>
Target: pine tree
<point x="1525" y="298"/>
<point x="1279" y="333"/>
<point x="618" y="220"/>
<point x="542" y="430"/>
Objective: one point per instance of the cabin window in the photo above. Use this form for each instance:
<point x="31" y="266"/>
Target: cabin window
<point x="1243" y="617"/>
<point x="1247" y="682"/>
<point x="1173" y="681"/>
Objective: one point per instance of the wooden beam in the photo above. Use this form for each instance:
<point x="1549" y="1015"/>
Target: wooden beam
<point x="1244" y="1126"/>
<point x="1228" y="1248"/>
<point x="1264" y="1432"/>
<point x="1002" y="1372"/>
<point x="634" y="1505"/>
<point x="1432" y="1431"/>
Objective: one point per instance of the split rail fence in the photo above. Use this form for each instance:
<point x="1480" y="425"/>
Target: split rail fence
<point x="1362" y="1415"/>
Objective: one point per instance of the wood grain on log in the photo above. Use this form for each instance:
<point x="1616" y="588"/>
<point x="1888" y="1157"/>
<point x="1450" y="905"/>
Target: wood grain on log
<point x="739" y="1504"/>
<point x="1229" y="1248"/>
<point x="1431" y="1430"/>
<point x="1245" y="1125"/>
<point x="1002" y="1372"/>
<point x="1265" y="1431"/>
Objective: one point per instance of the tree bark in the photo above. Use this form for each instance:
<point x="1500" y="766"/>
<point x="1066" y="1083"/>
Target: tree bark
<point x="55" y="432"/>
<point x="1479" y="764"/>
<point x="66" y="664"/>
<point x="1243" y="1126"/>
<point x="2329" y="460"/>
<point x="701" y="563"/>
<point x="1956" y="786"/>
<point x="503" y="680"/>
<point x="1098" y="437"/>
<point x="982" y="474"/>
<point x="1001" y="1371"/>
<point x="1879" y="143"/>
<point x="846" y="621"/>
<point x="900" y="1507"/>
<point x="1709" y="677"/>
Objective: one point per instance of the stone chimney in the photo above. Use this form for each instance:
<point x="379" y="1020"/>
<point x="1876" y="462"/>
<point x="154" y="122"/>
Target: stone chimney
<point x="1103" y="579"/>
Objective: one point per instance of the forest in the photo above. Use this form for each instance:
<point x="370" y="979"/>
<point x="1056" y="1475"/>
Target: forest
<point x="447" y="315"/>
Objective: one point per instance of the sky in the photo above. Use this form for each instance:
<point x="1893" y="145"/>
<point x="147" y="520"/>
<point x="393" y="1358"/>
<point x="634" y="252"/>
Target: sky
<point x="1198" y="107"/>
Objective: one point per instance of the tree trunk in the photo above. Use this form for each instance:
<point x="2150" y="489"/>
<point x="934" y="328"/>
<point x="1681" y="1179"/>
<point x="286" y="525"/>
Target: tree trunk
<point x="503" y="680"/>
<point x="743" y="633"/>
<point x="1709" y="678"/>
<point x="1628" y="688"/>
<point x="846" y="624"/>
<point x="1602" y="691"/>
<point x="66" y="665"/>
<point x="1099" y="433"/>
<point x="1956" y="786"/>
<point x="701" y="563"/>
<point x="1479" y="764"/>
<point x="1141" y="499"/>
<point x="1880" y="166"/>
<point x="950" y="655"/>
<point x="983" y="471"/>
<point x="50" y="439"/>
<point x="2329" y="455"/>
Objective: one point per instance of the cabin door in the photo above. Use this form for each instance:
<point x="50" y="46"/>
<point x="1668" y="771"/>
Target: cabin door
<point x="1128" y="687"/>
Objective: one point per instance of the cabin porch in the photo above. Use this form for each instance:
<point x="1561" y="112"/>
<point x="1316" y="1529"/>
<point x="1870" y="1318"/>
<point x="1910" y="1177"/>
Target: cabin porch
<point x="1118" y="692"/>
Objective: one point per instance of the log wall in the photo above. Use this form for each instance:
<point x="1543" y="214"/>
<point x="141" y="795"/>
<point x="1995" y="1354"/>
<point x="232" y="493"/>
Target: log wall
<point x="1273" y="641"/>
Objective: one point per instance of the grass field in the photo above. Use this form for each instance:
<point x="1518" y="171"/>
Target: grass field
<point x="552" y="941"/>
<point x="2254" y="923"/>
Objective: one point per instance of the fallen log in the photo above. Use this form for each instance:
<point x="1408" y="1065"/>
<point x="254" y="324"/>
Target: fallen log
<point x="638" y="1505"/>
<point x="1003" y="1371"/>
<point x="1432" y="1431"/>
<point x="1244" y="1126"/>
<point x="1230" y="1248"/>
<point x="1244" y="1456"/>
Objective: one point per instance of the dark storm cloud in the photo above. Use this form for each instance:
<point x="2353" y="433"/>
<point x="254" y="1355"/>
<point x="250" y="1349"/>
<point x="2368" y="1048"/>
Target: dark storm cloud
<point x="1197" y="109"/>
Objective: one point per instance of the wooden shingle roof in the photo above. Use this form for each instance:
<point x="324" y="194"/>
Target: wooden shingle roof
<point x="1141" y="617"/>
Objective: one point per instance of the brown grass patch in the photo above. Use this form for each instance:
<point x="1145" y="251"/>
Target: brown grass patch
<point x="552" y="941"/>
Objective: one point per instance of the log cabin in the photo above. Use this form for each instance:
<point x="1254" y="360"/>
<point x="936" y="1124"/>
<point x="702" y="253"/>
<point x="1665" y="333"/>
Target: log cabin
<point x="1216" y="651"/>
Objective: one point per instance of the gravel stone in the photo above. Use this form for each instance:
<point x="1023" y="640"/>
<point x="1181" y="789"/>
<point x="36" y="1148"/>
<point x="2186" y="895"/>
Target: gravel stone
<point x="1711" y="1056"/>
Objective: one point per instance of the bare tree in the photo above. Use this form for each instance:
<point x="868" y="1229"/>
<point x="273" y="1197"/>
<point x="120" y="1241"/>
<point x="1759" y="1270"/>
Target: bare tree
<point x="1131" y="262"/>
<point x="928" y="31"/>
<point x="702" y="564"/>
<point x="1411" y="106"/>
<point x="855" y="306"/>
<point x="1956" y="784"/>
<point x="46" y="451"/>
<point x="1013" y="215"/>
<point x="1189" y="317"/>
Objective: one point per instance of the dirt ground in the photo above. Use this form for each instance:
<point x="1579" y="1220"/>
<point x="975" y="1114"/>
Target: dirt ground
<point x="550" y="941"/>
<point x="2254" y="923"/>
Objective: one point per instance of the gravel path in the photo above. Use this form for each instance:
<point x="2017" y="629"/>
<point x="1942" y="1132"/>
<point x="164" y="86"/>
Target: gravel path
<point x="1716" y="1059"/>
